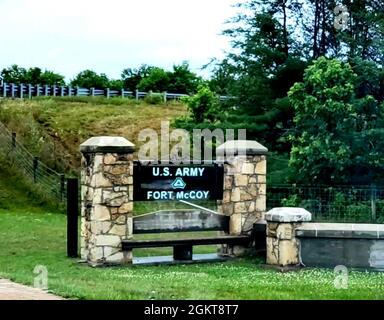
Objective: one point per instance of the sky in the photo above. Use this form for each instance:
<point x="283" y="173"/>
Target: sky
<point x="108" y="36"/>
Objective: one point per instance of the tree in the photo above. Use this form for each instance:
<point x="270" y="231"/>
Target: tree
<point x="132" y="77"/>
<point x="157" y="80"/>
<point x="48" y="78"/>
<point x="203" y="105"/>
<point x="90" y="79"/>
<point x="336" y="139"/>
<point x="265" y="63"/>
<point x="182" y="80"/>
<point x="34" y="76"/>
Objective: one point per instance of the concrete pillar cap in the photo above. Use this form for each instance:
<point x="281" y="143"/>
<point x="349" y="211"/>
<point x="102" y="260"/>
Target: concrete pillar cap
<point x="286" y="215"/>
<point x="241" y="147"/>
<point x="107" y="145"/>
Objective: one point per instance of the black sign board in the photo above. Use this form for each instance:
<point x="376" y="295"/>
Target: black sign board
<point x="169" y="182"/>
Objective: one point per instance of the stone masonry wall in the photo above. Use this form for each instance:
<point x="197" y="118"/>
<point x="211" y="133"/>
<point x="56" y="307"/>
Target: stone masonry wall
<point x="107" y="205"/>
<point x="244" y="197"/>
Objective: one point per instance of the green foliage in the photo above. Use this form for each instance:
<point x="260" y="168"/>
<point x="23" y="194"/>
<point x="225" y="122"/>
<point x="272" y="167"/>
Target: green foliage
<point x="34" y="76"/>
<point x="45" y="243"/>
<point x="149" y="78"/>
<point x="203" y="105"/>
<point x="157" y="80"/>
<point x="132" y="77"/>
<point x="336" y="135"/>
<point x="182" y="80"/>
<point x="154" y="98"/>
<point x="291" y="201"/>
<point x="90" y="79"/>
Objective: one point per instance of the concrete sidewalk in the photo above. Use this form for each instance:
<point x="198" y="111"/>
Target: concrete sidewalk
<point x="13" y="291"/>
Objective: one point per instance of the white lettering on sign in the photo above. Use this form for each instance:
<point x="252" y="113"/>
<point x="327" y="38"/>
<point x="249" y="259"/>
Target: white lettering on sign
<point x="160" y="195"/>
<point x="192" y="195"/>
<point x="190" y="172"/>
<point x="156" y="172"/>
<point x="181" y="195"/>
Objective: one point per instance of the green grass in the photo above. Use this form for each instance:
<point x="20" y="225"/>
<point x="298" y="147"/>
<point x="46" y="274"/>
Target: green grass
<point x="29" y="238"/>
<point x="32" y="235"/>
<point x="54" y="128"/>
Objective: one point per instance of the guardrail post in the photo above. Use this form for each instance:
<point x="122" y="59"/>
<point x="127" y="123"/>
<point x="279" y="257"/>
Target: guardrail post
<point x="137" y="95"/>
<point x="122" y="93"/>
<point x="4" y="90"/>
<point x="54" y="90"/>
<point x="37" y="90"/>
<point x="72" y="217"/>
<point x="35" y="168"/>
<point x="77" y="91"/>
<point x="21" y="89"/>
<point x="46" y="90"/>
<point x="92" y="92"/>
<point x="165" y="96"/>
<point x="108" y="93"/>
<point x="61" y="91"/>
<point x="12" y="90"/>
<point x="29" y="91"/>
<point x="69" y="91"/>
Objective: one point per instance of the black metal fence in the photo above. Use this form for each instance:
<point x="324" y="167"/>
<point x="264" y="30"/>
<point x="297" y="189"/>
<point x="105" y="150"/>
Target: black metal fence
<point x="48" y="180"/>
<point x="363" y="204"/>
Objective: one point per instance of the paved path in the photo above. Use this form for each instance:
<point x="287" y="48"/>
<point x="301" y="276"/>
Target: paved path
<point x="13" y="291"/>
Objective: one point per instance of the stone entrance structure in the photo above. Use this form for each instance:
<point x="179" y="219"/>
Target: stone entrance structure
<point x="107" y="195"/>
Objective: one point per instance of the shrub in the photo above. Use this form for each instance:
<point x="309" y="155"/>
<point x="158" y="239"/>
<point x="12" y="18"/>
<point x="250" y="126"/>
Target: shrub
<point x="154" y="98"/>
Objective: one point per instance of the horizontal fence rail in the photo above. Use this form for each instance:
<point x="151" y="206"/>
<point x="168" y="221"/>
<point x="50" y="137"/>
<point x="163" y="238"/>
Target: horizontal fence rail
<point x="48" y="180"/>
<point x="27" y="91"/>
<point x="364" y="204"/>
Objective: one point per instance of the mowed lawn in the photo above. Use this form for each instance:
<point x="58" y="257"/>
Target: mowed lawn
<point x="29" y="239"/>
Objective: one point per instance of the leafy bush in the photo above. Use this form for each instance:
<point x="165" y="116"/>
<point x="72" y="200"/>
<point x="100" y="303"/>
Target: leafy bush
<point x="154" y="98"/>
<point x="204" y="105"/>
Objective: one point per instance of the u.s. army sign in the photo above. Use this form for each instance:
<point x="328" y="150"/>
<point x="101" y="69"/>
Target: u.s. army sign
<point x="165" y="183"/>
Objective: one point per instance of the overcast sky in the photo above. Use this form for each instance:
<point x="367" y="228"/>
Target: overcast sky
<point x="108" y="36"/>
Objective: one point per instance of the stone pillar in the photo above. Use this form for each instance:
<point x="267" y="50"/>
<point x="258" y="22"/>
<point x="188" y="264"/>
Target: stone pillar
<point x="245" y="168"/>
<point x="283" y="249"/>
<point x="106" y="199"/>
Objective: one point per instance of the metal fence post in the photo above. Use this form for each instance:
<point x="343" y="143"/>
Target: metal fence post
<point x="13" y="140"/>
<point x="35" y="167"/>
<point x="373" y="203"/>
<point x="137" y="95"/>
<point x="62" y="186"/>
<point x="72" y="217"/>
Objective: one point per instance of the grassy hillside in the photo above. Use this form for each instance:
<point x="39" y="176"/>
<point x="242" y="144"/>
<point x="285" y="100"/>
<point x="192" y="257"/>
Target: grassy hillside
<point x="55" y="127"/>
